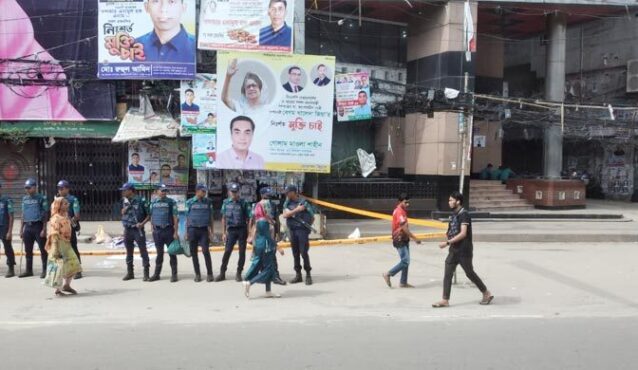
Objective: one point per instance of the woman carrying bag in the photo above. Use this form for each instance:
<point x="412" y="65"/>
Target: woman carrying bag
<point x="63" y="263"/>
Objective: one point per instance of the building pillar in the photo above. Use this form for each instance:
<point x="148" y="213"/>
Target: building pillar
<point x="554" y="91"/>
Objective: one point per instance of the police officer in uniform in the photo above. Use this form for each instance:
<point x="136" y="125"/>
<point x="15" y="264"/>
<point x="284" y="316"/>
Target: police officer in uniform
<point x="295" y="209"/>
<point x="35" y="214"/>
<point x="134" y="217"/>
<point x="235" y="215"/>
<point x="6" y="231"/>
<point x="267" y="193"/>
<point x="74" y="215"/>
<point x="164" y="222"/>
<point x="199" y="226"/>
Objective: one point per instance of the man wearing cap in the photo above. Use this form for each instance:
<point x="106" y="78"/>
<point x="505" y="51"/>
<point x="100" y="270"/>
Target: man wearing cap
<point x="164" y="222"/>
<point x="35" y="214"/>
<point x="74" y="215"/>
<point x="6" y="231"/>
<point x="199" y="226"/>
<point x="134" y="217"/>
<point x="267" y="193"/>
<point x="235" y="215"/>
<point x="299" y="216"/>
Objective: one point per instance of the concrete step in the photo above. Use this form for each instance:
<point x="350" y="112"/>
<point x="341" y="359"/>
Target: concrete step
<point x="494" y="196"/>
<point x="505" y="208"/>
<point x="491" y="193"/>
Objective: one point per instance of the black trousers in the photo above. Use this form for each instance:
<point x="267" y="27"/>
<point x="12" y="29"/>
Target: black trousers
<point x="31" y="235"/>
<point x="198" y="237"/>
<point x="235" y="235"/>
<point x="300" y="248"/>
<point x="454" y="259"/>
<point x="74" y="243"/>
<point x="163" y="238"/>
<point x="8" y="247"/>
<point x="134" y="235"/>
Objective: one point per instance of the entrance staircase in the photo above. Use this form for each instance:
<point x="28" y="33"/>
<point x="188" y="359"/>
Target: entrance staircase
<point x="493" y="196"/>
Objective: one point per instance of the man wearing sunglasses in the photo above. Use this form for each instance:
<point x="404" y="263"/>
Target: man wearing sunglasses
<point x="401" y="236"/>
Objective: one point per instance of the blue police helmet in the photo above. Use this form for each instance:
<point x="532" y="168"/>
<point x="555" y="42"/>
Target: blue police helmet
<point x="63" y="184"/>
<point x="291" y="188"/>
<point x="163" y="188"/>
<point x="29" y="183"/>
<point x="266" y="191"/>
<point x="201" y="187"/>
<point x="234" y="188"/>
<point x="128" y="186"/>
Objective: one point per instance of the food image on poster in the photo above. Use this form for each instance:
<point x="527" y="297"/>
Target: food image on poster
<point x="204" y="152"/>
<point x="353" y="96"/>
<point x="199" y="105"/>
<point x="246" y="25"/>
<point x="271" y="113"/>
<point x="146" y="39"/>
<point x="160" y="161"/>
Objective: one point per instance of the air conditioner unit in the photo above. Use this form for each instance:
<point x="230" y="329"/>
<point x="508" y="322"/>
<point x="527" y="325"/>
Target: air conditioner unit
<point x="632" y="75"/>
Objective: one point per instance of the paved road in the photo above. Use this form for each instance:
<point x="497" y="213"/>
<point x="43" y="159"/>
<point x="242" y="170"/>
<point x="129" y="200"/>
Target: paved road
<point x="558" y="306"/>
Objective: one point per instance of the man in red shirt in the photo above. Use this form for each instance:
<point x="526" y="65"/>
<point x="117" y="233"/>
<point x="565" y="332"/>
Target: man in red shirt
<point x="401" y="236"/>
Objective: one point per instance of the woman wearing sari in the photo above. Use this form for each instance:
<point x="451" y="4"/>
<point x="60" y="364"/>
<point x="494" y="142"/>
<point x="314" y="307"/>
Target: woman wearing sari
<point x="262" y="269"/>
<point x="59" y="247"/>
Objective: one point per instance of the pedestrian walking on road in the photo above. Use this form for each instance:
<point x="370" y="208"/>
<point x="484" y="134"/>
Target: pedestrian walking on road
<point x="64" y="189"/>
<point x="35" y="213"/>
<point x="200" y="229"/>
<point x="235" y="215"/>
<point x="299" y="217"/>
<point x="134" y="217"/>
<point x="459" y="241"/>
<point x="401" y="236"/>
<point x="163" y="213"/>
<point x="59" y="246"/>
<point x="6" y="232"/>
<point x="262" y="269"/>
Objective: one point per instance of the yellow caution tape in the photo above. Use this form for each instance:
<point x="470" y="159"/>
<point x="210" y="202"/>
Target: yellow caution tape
<point x="313" y="243"/>
<point x="377" y="215"/>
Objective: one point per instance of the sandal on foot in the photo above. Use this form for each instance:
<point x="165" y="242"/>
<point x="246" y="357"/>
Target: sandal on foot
<point x="58" y="293"/>
<point x="272" y="295"/>
<point x="440" y="305"/>
<point x="487" y="301"/>
<point x="386" y="278"/>
<point x="68" y="289"/>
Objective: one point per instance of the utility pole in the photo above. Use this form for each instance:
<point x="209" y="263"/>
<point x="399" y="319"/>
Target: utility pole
<point x="465" y="129"/>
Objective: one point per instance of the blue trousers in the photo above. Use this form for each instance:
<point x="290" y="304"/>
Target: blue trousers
<point x="403" y="265"/>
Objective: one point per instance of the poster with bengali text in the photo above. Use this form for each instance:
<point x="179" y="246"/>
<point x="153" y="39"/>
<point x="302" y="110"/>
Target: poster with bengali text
<point x="273" y="113"/>
<point x="353" y="96"/>
<point x="246" y="25"/>
<point x="204" y="151"/>
<point x="159" y="161"/>
<point x="198" y="106"/>
<point x="146" y="39"/>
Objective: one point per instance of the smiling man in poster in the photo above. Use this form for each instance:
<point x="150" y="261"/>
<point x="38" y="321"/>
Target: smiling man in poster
<point x="168" y="41"/>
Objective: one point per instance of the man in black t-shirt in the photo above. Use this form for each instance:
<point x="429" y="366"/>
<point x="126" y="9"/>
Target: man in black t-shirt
<point x="459" y="239"/>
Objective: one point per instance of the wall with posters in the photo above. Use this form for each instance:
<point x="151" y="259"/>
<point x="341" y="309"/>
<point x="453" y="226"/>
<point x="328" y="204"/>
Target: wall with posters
<point x="159" y="161"/>
<point x="137" y="40"/>
<point x="353" y="96"/>
<point x="259" y="25"/>
<point x="271" y="114"/>
<point x="199" y="105"/>
<point x="39" y="45"/>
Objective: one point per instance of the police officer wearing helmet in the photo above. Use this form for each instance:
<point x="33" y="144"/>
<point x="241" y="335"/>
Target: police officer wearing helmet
<point x="6" y="231"/>
<point x="199" y="226"/>
<point x="267" y="193"/>
<point x="299" y="216"/>
<point x="64" y="189"/>
<point x="164" y="222"/>
<point x="235" y="215"/>
<point x="134" y="217"/>
<point x="35" y="214"/>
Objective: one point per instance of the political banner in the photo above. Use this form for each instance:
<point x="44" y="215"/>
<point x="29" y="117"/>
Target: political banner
<point x="159" y="161"/>
<point x="353" y="96"/>
<point x="275" y="112"/>
<point x="40" y="46"/>
<point x="199" y="105"/>
<point x="204" y="151"/>
<point x="255" y="25"/>
<point x="146" y="39"/>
